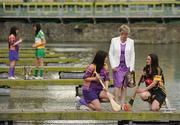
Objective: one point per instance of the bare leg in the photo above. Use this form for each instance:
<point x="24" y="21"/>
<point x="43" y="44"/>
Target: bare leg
<point x="103" y="96"/>
<point x="117" y="93"/>
<point x="155" y="106"/>
<point x="123" y="95"/>
<point x="40" y="62"/>
<point x="145" y="95"/>
<point x="95" y="105"/>
<point x="12" y="64"/>
<point x="36" y="62"/>
<point x="12" y="68"/>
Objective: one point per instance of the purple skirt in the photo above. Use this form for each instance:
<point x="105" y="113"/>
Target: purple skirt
<point x="119" y="75"/>
<point x="13" y="55"/>
<point x="90" y="95"/>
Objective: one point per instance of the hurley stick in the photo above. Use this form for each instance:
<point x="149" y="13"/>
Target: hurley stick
<point x="128" y="107"/>
<point x="115" y="106"/>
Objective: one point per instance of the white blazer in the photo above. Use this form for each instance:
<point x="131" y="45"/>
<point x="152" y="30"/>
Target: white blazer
<point x="115" y="53"/>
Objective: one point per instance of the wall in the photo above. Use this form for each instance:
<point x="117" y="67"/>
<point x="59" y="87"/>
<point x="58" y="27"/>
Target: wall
<point x="56" y="32"/>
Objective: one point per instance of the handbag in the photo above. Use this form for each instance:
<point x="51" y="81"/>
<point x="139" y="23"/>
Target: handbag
<point x="130" y="78"/>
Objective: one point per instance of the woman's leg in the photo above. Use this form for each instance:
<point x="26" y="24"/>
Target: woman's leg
<point x="103" y="96"/>
<point x="12" y="68"/>
<point x="123" y="95"/>
<point x="117" y="94"/>
<point x="158" y="99"/>
<point x="95" y="105"/>
<point x="145" y="96"/>
<point x="36" y="67"/>
<point x="41" y="64"/>
<point x="155" y="106"/>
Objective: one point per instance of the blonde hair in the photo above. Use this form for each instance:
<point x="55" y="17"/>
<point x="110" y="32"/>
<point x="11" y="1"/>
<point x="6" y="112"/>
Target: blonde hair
<point x="124" y="28"/>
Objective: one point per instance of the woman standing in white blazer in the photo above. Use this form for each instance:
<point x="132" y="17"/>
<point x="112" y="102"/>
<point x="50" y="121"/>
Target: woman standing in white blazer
<point x="122" y="58"/>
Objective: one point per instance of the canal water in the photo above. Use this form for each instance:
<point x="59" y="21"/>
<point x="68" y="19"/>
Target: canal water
<point x="63" y="97"/>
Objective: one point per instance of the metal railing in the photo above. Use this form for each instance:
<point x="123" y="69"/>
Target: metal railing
<point x="164" y="9"/>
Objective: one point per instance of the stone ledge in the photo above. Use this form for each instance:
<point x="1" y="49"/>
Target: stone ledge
<point x="91" y="115"/>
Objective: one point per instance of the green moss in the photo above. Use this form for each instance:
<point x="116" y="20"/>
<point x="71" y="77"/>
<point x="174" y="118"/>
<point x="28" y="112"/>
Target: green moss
<point x="22" y="50"/>
<point x="25" y="61"/>
<point x="20" y="69"/>
<point x="32" y="55"/>
<point x="80" y="115"/>
<point x="41" y="82"/>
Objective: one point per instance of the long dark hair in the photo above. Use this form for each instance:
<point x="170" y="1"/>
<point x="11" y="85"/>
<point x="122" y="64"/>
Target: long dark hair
<point x="38" y="28"/>
<point x="13" y="31"/>
<point x="154" y="64"/>
<point x="99" y="60"/>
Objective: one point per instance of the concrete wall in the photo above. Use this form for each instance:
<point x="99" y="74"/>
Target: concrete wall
<point x="56" y="32"/>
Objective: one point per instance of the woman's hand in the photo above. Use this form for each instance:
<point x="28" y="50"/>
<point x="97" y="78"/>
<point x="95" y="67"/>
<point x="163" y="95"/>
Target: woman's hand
<point x="143" y="73"/>
<point x="140" y="90"/>
<point x="97" y="76"/>
<point x="114" y="69"/>
<point x="105" y="89"/>
<point x="20" y="40"/>
<point x="16" y="43"/>
<point x="34" y="45"/>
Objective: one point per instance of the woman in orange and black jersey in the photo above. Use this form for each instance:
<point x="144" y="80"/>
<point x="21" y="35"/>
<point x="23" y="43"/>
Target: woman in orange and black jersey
<point x="154" y="92"/>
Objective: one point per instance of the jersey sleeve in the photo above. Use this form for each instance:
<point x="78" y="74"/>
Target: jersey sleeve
<point x="89" y="71"/>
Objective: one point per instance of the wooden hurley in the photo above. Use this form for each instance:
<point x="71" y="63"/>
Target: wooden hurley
<point x="128" y="107"/>
<point x="115" y="106"/>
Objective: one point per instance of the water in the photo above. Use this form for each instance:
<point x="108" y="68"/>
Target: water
<point x="63" y="97"/>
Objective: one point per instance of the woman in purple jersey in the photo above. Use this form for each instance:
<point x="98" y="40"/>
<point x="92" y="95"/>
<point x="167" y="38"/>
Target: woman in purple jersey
<point x="13" y="43"/>
<point x="93" y="91"/>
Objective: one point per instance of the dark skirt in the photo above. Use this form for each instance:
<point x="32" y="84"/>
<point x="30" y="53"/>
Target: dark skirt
<point x="158" y="94"/>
